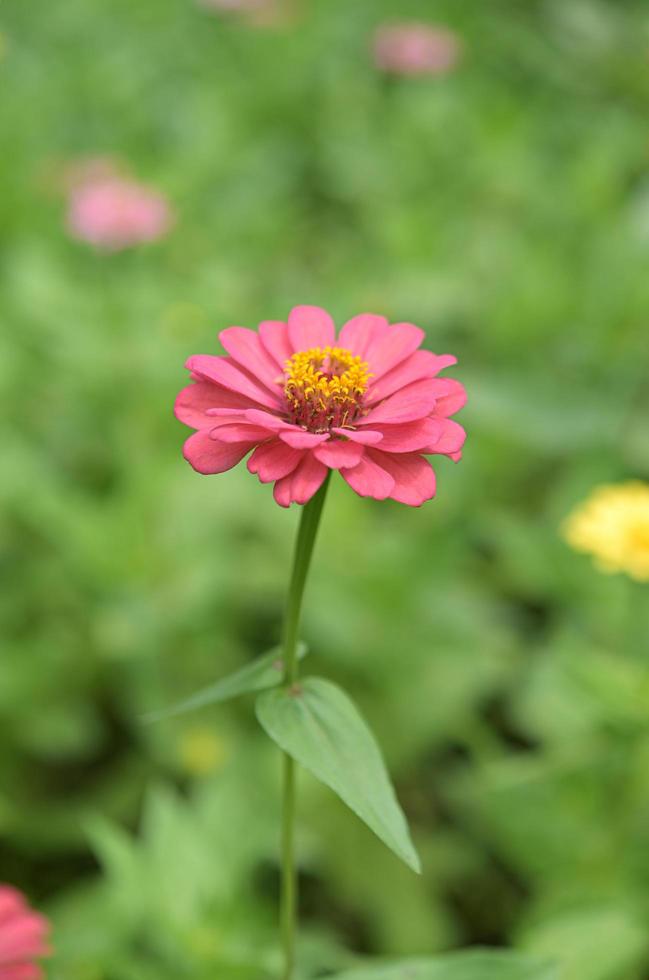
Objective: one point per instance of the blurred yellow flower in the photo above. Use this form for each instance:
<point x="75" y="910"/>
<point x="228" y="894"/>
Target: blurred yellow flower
<point x="612" y="525"/>
<point x="200" y="751"/>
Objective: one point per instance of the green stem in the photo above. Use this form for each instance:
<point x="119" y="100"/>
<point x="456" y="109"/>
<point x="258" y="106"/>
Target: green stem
<point x="309" y="522"/>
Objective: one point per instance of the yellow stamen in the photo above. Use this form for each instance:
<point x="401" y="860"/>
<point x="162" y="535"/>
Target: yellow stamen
<point x="324" y="386"/>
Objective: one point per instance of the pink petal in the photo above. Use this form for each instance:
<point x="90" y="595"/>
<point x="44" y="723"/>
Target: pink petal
<point x="21" y="971"/>
<point x="449" y="441"/>
<point x="202" y="397"/>
<point x="365" y="437"/>
<point x="369" y="480"/>
<point x="451" y="396"/>
<point x="410" y="437"/>
<point x="11" y="902"/>
<point x="240" y="432"/>
<point x="224" y="415"/>
<point x="456" y="457"/>
<point x="336" y="453"/>
<point x="282" y="492"/>
<point x="24" y="936"/>
<point x="274" y="460"/>
<point x="415" y="401"/>
<point x="443" y="361"/>
<point x="274" y="337"/>
<point x="224" y="372"/>
<point x="362" y="331"/>
<point x="247" y="350"/>
<point x="421" y="364"/>
<point x="401" y="340"/>
<point x="268" y="420"/>
<point x="206" y="455"/>
<point x="414" y="477"/>
<point x="292" y="434"/>
<point x="299" y="439"/>
<point x="310" y="326"/>
<point x="300" y="485"/>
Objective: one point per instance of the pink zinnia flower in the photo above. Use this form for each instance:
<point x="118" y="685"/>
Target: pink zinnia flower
<point x="23" y="935"/>
<point x="415" y="49"/>
<point x="114" y="212"/>
<point x="368" y="403"/>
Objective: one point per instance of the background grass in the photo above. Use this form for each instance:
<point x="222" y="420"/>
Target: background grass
<point x="505" y="209"/>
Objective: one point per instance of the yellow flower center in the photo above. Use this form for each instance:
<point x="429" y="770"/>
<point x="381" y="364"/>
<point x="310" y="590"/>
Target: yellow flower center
<point x="324" y="387"/>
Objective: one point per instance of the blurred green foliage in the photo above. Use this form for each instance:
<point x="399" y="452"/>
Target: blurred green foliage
<point x="505" y="208"/>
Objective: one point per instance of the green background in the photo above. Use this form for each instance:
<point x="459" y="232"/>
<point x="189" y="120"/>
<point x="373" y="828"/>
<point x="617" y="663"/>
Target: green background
<point x="505" y="209"/>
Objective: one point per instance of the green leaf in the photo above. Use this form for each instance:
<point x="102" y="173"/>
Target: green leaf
<point x="473" y="965"/>
<point x="264" y="672"/>
<point x="319" y="726"/>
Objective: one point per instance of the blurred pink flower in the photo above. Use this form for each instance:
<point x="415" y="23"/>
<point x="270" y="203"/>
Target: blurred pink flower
<point x="415" y="49"/>
<point x="368" y="403"/>
<point x="23" y="935"/>
<point x="114" y="212"/>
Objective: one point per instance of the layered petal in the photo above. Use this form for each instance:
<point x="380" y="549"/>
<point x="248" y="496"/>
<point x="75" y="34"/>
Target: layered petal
<point x="421" y="364"/>
<point x="369" y="479"/>
<point x="338" y="453"/>
<point x="268" y="420"/>
<point x="415" y="401"/>
<point x="197" y="401"/>
<point x="451" y="396"/>
<point x="400" y="341"/>
<point x="206" y="455"/>
<point x="366" y="437"/>
<point x="223" y="416"/>
<point x="300" y="439"/>
<point x="450" y="439"/>
<point x="240" y="432"/>
<point x="412" y="475"/>
<point x="409" y="437"/>
<point x="300" y="485"/>
<point x="225" y="372"/>
<point x="274" y="460"/>
<point x="246" y="349"/>
<point x="310" y="326"/>
<point x="275" y="339"/>
<point x="361" y="332"/>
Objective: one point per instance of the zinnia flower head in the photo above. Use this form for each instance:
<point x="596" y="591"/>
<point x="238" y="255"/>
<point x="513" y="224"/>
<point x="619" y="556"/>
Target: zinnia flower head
<point x="23" y="937"/>
<point x="368" y="403"/>
<point x="113" y="212"/>
<point x="415" y="49"/>
<point x="612" y="525"/>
